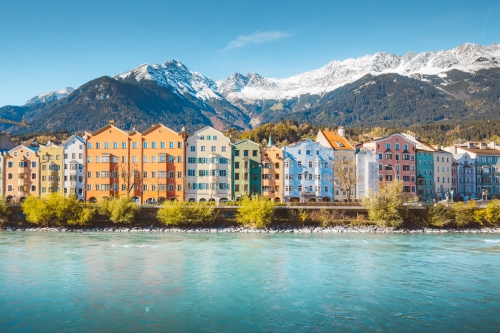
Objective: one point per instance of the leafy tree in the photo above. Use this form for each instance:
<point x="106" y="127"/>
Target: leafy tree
<point x="387" y="206"/>
<point x="174" y="213"/>
<point x="464" y="213"/>
<point x="119" y="210"/>
<point x="56" y="209"/>
<point x="255" y="211"/>
<point x="345" y="173"/>
<point x="4" y="210"/>
<point x="489" y="215"/>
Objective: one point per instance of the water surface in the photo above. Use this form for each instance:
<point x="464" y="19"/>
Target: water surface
<point x="105" y="282"/>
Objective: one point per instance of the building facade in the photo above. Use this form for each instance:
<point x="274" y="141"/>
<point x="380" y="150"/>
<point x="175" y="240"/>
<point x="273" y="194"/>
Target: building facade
<point x="74" y="167"/>
<point x="487" y="167"/>
<point x="308" y="172"/>
<point x="272" y="172"/>
<point x="246" y="176"/>
<point x="466" y="176"/>
<point x="345" y="162"/>
<point x="209" y="166"/>
<point x="109" y="168"/>
<point x="163" y="164"/>
<point x="425" y="174"/>
<point x="51" y="168"/>
<point x="443" y="179"/>
<point x="366" y="172"/>
<point x="22" y="176"/>
<point x="396" y="156"/>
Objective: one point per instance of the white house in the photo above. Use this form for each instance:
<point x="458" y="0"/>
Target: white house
<point x="366" y="172"/>
<point x="74" y="167"/>
<point x="308" y="169"/>
<point x="209" y="166"/>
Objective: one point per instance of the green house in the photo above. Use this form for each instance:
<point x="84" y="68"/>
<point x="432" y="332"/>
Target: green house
<point x="425" y="177"/>
<point x="246" y="169"/>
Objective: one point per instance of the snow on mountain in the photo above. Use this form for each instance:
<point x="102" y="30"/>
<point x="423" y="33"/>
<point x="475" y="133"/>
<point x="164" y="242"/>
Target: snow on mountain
<point x="466" y="57"/>
<point x="175" y="76"/>
<point x="50" y="96"/>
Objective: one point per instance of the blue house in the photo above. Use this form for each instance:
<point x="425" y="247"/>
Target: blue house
<point x="308" y="171"/>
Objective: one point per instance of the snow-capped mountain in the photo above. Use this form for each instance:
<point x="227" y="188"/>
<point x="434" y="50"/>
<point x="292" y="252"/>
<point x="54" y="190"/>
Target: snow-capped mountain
<point x="50" y="96"/>
<point x="175" y="76"/>
<point x="466" y="58"/>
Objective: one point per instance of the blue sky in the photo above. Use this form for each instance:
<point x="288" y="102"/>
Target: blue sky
<point x="47" y="45"/>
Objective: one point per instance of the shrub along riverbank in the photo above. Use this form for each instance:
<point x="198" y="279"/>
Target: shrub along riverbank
<point x="386" y="210"/>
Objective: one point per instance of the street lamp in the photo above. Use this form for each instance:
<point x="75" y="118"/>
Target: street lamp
<point x="394" y="170"/>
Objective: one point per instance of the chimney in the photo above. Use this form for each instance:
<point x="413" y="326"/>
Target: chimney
<point x="482" y="145"/>
<point x="453" y="150"/>
<point x="112" y="122"/>
<point x="341" y="131"/>
<point x="492" y="145"/>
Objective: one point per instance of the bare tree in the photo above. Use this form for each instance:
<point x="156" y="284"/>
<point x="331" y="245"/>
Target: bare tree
<point x="131" y="177"/>
<point x="344" y="171"/>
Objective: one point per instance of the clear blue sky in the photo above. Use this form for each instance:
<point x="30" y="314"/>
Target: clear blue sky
<point x="47" y="45"/>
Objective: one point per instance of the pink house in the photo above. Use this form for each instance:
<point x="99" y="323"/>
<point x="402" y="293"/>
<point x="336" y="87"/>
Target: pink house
<point x="396" y="157"/>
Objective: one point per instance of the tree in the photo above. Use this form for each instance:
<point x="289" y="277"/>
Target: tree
<point x="255" y="211"/>
<point x="345" y="174"/>
<point x="386" y="207"/>
<point x="196" y="213"/>
<point x="55" y="208"/>
<point x="131" y="177"/>
<point x="119" y="210"/>
<point x="4" y="210"/>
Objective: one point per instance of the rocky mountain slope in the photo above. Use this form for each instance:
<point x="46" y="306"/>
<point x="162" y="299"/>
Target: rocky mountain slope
<point x="462" y="83"/>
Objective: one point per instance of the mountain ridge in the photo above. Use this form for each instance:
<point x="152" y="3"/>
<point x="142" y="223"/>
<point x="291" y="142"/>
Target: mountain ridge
<point x="174" y="94"/>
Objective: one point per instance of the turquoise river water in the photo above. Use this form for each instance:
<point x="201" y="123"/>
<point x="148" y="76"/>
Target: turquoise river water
<point x="105" y="282"/>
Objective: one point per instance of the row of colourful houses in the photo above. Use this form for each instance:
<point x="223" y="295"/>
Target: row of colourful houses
<point x="161" y="164"/>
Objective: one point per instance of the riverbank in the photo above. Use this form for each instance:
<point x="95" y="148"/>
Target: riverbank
<point x="276" y="229"/>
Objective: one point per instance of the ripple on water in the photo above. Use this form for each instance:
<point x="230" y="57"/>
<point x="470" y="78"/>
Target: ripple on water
<point x="248" y="282"/>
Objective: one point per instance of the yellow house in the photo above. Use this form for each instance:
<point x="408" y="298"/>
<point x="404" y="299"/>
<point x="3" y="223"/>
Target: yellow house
<point x="51" y="168"/>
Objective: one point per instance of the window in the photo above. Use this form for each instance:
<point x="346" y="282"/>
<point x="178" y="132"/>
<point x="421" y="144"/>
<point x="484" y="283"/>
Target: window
<point x="170" y="174"/>
<point x="153" y="145"/>
<point x="193" y="148"/>
<point x="308" y="152"/>
<point x="134" y="145"/>
<point x="179" y="144"/>
<point x="89" y="145"/>
<point x="214" y="149"/>
<point x="171" y="145"/>
<point x="171" y="159"/>
<point x="134" y="159"/>
<point x="106" y="145"/>
<point x="397" y="146"/>
<point x="299" y="152"/>
<point x="33" y="164"/>
<point x="115" y="145"/>
<point x="202" y="148"/>
<point x="145" y="144"/>
<point x="124" y="145"/>
<point x="223" y="149"/>
<point x="145" y="174"/>
<point x="162" y="144"/>
<point x="236" y="152"/>
<point x="405" y="147"/>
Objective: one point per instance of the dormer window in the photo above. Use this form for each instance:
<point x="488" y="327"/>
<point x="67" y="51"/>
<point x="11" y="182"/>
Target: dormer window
<point x="340" y="144"/>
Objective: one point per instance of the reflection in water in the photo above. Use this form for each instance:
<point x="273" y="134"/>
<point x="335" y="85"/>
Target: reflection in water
<point x="248" y="282"/>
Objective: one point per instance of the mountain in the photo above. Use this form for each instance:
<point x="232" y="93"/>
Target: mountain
<point x="50" y="96"/>
<point x="303" y="91"/>
<point x="458" y="84"/>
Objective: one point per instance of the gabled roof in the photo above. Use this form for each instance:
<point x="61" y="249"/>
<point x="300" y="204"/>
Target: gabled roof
<point x="33" y="149"/>
<point x="73" y="137"/>
<point x="336" y="141"/>
<point x="156" y="126"/>
<point x="108" y="126"/>
<point x="246" y="140"/>
<point x="479" y="151"/>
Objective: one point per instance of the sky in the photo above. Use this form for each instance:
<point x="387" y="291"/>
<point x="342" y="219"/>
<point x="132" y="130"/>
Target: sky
<point x="51" y="44"/>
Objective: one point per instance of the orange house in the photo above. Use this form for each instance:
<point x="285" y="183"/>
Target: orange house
<point x="149" y="166"/>
<point x="21" y="177"/>
<point x="272" y="172"/>
<point x="109" y="165"/>
<point x="163" y="164"/>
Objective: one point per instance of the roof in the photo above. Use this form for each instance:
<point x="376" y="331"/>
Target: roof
<point x="73" y="137"/>
<point x="336" y="141"/>
<point x="156" y="126"/>
<point x="34" y="149"/>
<point x="479" y="151"/>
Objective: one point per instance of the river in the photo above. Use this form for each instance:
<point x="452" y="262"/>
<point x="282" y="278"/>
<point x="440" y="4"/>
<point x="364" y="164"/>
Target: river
<point x="106" y="282"/>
